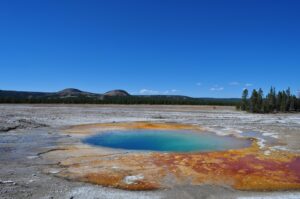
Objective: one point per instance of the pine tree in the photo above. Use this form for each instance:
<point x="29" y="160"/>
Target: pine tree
<point x="292" y="103"/>
<point x="260" y="106"/>
<point x="271" y="98"/>
<point x="244" y="105"/>
<point x="278" y="101"/>
<point x="254" y="102"/>
<point x="296" y="105"/>
<point x="283" y="102"/>
<point x="288" y="99"/>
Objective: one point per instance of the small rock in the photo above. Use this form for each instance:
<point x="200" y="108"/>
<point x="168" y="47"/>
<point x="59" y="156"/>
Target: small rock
<point x="8" y="182"/>
<point x="32" y="157"/>
<point x="133" y="179"/>
<point x="54" y="171"/>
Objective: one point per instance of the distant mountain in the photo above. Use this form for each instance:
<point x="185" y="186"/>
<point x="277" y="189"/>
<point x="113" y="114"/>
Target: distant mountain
<point x="70" y="91"/>
<point x="23" y="94"/>
<point x="73" y="92"/>
<point x="73" y="95"/>
<point x="65" y="93"/>
<point x="119" y="93"/>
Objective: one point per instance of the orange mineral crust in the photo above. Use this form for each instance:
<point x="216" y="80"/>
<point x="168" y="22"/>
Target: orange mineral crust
<point x="96" y="128"/>
<point x="243" y="169"/>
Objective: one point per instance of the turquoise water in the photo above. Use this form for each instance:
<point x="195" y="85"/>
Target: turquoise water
<point x="166" y="141"/>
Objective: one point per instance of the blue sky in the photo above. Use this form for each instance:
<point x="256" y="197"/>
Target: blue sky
<point x="209" y="48"/>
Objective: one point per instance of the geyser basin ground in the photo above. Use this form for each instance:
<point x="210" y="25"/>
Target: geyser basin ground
<point x="166" y="141"/>
<point x="247" y="168"/>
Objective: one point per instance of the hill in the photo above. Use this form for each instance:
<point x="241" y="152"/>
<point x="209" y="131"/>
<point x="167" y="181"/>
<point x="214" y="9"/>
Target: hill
<point x="76" y="96"/>
<point x="119" y="93"/>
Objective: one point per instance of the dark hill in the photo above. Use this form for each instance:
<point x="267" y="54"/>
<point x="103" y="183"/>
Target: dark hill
<point x="75" y="96"/>
<point x="69" y="91"/>
<point x="118" y="93"/>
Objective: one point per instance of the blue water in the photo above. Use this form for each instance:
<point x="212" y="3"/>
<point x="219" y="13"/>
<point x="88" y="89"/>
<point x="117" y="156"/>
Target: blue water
<point x="166" y="141"/>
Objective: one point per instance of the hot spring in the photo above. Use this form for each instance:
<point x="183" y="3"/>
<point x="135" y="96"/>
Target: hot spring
<point x="166" y="141"/>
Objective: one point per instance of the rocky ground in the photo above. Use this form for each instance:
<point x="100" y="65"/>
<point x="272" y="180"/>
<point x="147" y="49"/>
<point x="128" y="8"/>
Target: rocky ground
<point x="27" y="131"/>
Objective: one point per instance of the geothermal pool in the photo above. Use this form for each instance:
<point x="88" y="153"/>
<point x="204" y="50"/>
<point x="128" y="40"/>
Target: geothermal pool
<point x="166" y="141"/>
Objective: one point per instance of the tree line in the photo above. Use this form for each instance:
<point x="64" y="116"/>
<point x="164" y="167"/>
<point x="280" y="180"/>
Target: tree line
<point x="167" y="100"/>
<point x="282" y="101"/>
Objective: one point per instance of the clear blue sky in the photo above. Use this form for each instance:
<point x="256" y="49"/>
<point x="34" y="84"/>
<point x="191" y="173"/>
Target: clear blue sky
<point x="209" y="48"/>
